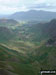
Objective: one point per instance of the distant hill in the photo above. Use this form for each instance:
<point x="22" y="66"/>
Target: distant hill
<point x="33" y="15"/>
<point x="3" y="16"/>
<point x="7" y="22"/>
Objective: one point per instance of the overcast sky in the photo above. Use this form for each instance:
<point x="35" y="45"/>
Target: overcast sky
<point x="11" y="6"/>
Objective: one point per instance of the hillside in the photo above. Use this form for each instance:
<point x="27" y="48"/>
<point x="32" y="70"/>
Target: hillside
<point x="6" y="29"/>
<point x="5" y="34"/>
<point x="7" y="22"/>
<point x="28" y="48"/>
<point x="37" y="32"/>
<point x="12" y="61"/>
<point x="33" y="15"/>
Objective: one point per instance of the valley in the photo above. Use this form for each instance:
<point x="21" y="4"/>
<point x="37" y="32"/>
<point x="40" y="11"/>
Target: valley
<point x="26" y="48"/>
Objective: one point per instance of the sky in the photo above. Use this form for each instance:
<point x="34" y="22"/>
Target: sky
<point x="11" y="6"/>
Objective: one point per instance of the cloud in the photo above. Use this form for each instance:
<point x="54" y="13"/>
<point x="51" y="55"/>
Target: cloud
<point x="11" y="3"/>
<point x="10" y="10"/>
<point x="47" y="5"/>
<point x="39" y="1"/>
<point x="11" y="6"/>
<point x="44" y="5"/>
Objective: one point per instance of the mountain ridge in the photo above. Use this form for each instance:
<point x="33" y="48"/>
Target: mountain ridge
<point x="33" y="15"/>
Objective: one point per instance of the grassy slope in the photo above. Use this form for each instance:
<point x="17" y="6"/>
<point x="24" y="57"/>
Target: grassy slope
<point x="29" y="63"/>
